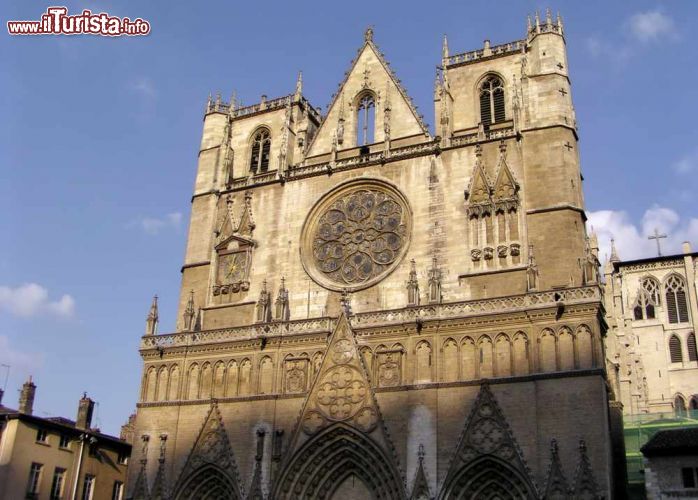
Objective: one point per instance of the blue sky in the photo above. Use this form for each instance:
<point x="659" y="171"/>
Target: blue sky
<point x="99" y="141"/>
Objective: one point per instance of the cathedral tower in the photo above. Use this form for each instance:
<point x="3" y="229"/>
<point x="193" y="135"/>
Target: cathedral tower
<point x="371" y="311"/>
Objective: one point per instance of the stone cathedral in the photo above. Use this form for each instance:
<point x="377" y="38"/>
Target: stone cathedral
<point x="372" y="311"/>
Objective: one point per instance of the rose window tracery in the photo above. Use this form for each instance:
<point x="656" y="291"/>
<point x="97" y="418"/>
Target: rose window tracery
<point x="356" y="235"/>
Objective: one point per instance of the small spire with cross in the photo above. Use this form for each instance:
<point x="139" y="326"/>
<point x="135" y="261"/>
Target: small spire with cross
<point x="657" y="237"/>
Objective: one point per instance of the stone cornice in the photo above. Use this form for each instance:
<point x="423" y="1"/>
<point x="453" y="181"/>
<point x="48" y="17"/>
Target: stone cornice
<point x="486" y="311"/>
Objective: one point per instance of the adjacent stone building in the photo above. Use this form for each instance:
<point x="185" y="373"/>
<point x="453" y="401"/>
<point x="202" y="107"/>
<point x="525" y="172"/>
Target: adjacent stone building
<point x="651" y="310"/>
<point x="368" y="310"/>
<point x="671" y="464"/>
<point x="55" y="458"/>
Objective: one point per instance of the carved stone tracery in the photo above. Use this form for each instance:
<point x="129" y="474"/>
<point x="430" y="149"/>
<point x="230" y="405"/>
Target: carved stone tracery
<point x="356" y="235"/>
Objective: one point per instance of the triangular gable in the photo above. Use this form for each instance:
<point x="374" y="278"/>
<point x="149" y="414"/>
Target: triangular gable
<point x="341" y="392"/>
<point x="556" y="484"/>
<point x="212" y="447"/>
<point x="486" y="439"/>
<point x="505" y="187"/>
<point x="159" y="485"/>
<point x="479" y="190"/>
<point x="369" y="71"/>
<point x="340" y="420"/>
<point x="585" y="486"/>
<point x="140" y="490"/>
<point x="231" y="227"/>
<point x="420" y="487"/>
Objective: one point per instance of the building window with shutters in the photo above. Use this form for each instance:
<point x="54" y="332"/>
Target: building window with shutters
<point x="675" y="349"/>
<point x="57" y="484"/>
<point x="492" y="100"/>
<point x="34" y="480"/>
<point x="675" y="292"/>
<point x="691" y="344"/>
<point x="261" y="147"/>
<point x="88" y="487"/>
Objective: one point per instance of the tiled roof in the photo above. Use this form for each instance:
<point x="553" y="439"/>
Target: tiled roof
<point x="674" y="441"/>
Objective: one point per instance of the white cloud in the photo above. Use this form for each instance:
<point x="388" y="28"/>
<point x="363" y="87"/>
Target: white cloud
<point x="153" y="225"/>
<point x="31" y="299"/>
<point x="631" y="239"/>
<point x="651" y="25"/>
<point x="144" y="86"/>
<point x="688" y="164"/>
<point x="21" y="364"/>
<point x="642" y="27"/>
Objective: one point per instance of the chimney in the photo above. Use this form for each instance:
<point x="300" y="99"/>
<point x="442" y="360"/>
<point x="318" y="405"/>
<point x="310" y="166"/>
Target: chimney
<point x="26" y="397"/>
<point x="686" y="247"/>
<point x="85" y="408"/>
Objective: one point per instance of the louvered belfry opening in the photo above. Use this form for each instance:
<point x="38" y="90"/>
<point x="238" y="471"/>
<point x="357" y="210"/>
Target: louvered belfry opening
<point x="261" y="144"/>
<point x="677" y="308"/>
<point x="675" y="349"/>
<point x="691" y="344"/>
<point x="492" y="108"/>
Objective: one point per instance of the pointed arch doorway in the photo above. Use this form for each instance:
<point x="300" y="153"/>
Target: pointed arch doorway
<point x="352" y="488"/>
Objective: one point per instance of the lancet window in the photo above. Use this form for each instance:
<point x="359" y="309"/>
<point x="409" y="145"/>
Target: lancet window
<point x="677" y="308"/>
<point x="365" y="119"/>
<point x="261" y="146"/>
<point x="492" y="100"/>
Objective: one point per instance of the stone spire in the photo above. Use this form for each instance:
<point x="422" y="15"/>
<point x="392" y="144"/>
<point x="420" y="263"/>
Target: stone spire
<point x="434" y="283"/>
<point x="151" y="322"/>
<point x="556" y="486"/>
<point x="614" y="253"/>
<point x="189" y="313"/>
<point x="299" y="86"/>
<point x="444" y="51"/>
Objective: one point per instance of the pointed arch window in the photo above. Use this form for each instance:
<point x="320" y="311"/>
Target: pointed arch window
<point x="675" y="349"/>
<point x="679" y="405"/>
<point x="365" y="119"/>
<point x="675" y="291"/>
<point x="647" y="300"/>
<point x="691" y="344"/>
<point x="261" y="146"/>
<point x="492" y="100"/>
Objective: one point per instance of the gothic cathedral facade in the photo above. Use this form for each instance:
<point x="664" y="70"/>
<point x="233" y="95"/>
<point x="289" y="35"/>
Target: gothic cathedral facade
<point x="368" y="310"/>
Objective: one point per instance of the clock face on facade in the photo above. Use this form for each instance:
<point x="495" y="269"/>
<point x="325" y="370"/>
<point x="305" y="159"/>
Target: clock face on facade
<point x="356" y="235"/>
<point x="231" y="267"/>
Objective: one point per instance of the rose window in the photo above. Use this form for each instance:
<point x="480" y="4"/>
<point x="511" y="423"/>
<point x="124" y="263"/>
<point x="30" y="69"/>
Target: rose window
<point x="356" y="235"/>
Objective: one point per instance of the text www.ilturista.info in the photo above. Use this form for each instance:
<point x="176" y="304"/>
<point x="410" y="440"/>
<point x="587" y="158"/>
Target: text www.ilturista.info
<point x="56" y="21"/>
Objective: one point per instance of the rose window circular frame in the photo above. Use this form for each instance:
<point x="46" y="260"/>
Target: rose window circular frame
<point x="356" y="235"/>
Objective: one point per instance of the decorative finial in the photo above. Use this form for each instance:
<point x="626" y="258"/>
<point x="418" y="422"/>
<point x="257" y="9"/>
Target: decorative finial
<point x="299" y="84"/>
<point x="548" y="17"/>
<point x="529" y="26"/>
<point x="537" y="22"/>
<point x="368" y="34"/>
<point x="559" y="22"/>
<point x="614" y="253"/>
<point x="420" y="453"/>
<point x="233" y="101"/>
<point x="151" y="322"/>
<point x="189" y="313"/>
<point x="444" y="48"/>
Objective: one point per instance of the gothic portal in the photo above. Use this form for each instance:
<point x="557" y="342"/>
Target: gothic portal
<point x="368" y="310"/>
